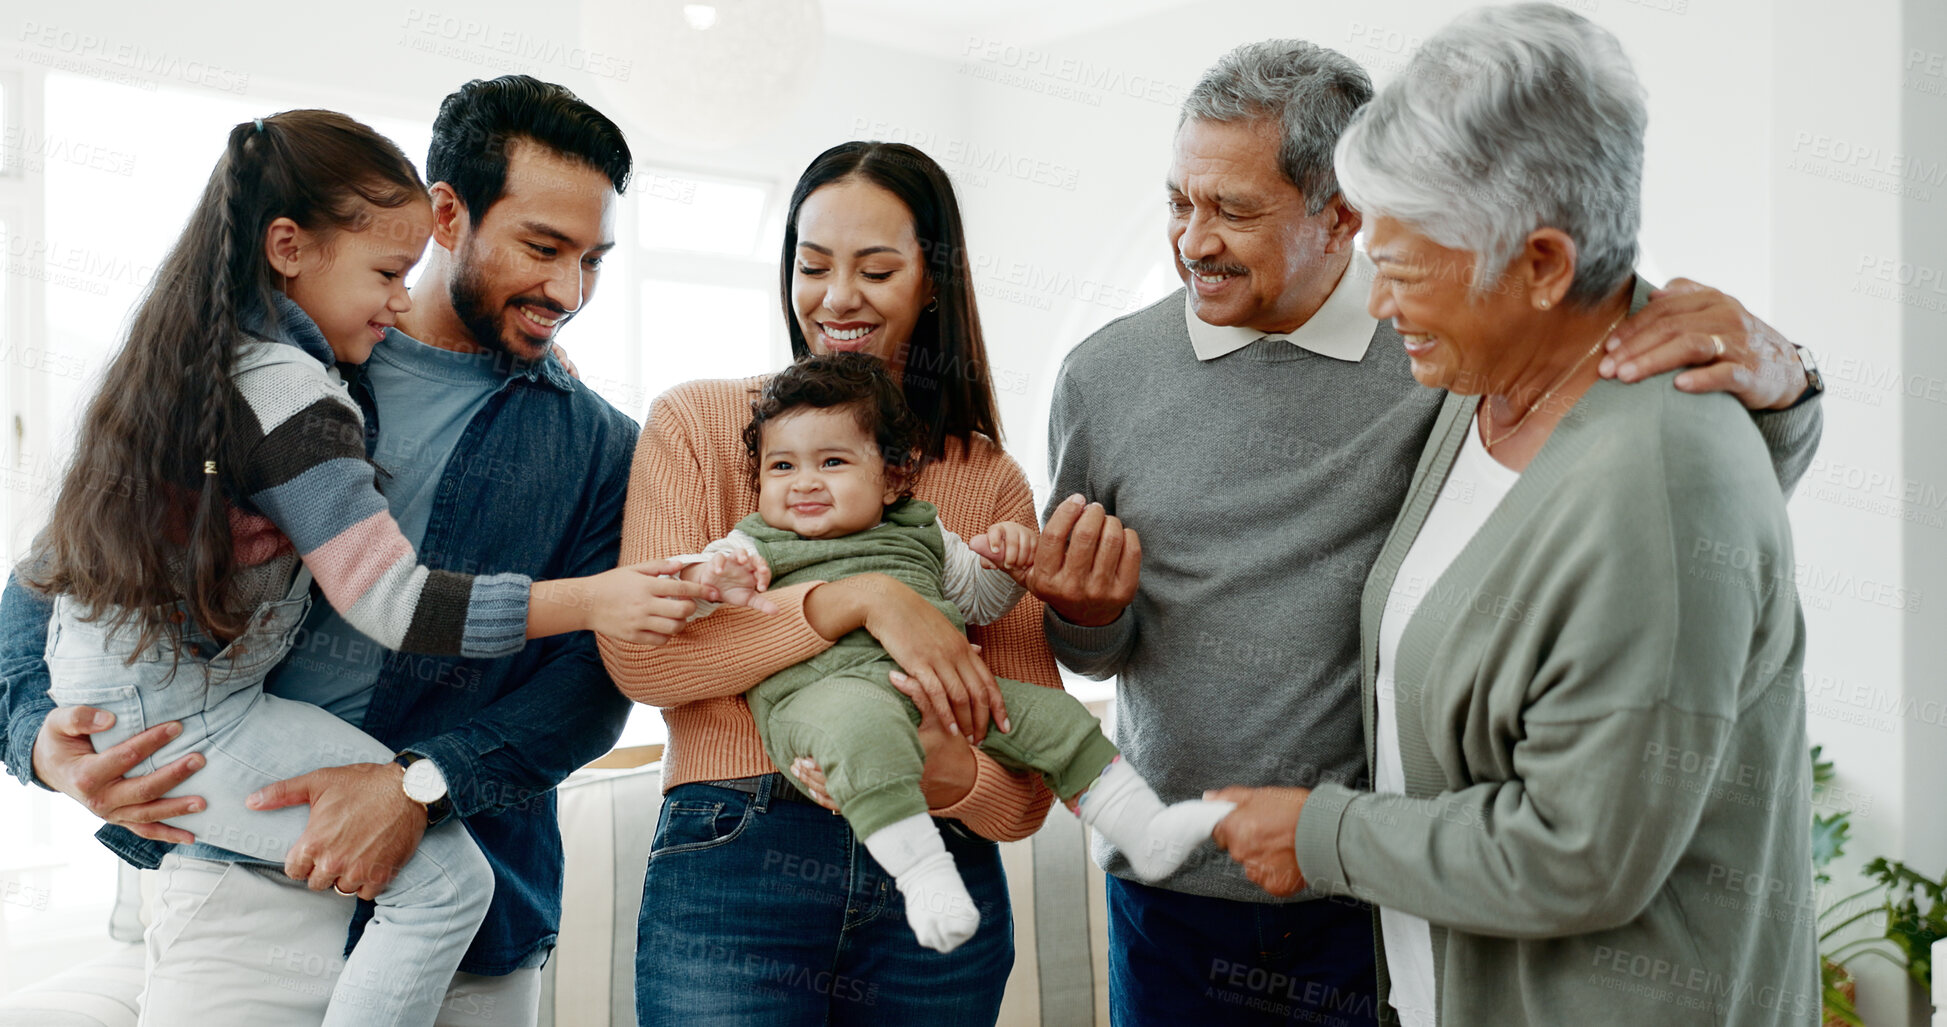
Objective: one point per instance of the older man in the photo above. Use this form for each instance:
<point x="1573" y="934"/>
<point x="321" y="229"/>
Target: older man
<point x="1260" y="430"/>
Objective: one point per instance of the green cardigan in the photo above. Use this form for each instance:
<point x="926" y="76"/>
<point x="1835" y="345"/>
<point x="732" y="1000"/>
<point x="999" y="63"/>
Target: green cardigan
<point x="1603" y="734"/>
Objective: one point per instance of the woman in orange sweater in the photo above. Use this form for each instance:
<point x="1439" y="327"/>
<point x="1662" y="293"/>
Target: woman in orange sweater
<point x="758" y="906"/>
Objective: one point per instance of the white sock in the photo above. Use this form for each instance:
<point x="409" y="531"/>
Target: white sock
<point x="938" y="907"/>
<point x="1156" y="839"/>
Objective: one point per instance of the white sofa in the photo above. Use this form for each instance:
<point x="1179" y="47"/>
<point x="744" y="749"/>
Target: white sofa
<point x="608" y="817"/>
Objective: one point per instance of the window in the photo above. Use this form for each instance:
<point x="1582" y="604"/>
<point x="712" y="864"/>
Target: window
<point x="690" y="291"/>
<point x="705" y="306"/>
<point x="109" y="223"/>
<point x="709" y="279"/>
<point x="96" y="180"/>
<point x="694" y="331"/>
<point x="95" y="184"/>
<point x="681" y="213"/>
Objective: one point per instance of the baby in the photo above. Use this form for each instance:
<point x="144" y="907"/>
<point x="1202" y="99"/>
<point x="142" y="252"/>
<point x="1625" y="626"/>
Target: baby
<point x="832" y="447"/>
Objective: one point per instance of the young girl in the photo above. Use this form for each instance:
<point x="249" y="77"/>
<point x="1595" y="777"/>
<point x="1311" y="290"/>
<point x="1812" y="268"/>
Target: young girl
<point x="832" y="450"/>
<point x="249" y="478"/>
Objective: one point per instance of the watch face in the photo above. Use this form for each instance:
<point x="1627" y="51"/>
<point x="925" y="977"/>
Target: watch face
<point x="424" y="782"/>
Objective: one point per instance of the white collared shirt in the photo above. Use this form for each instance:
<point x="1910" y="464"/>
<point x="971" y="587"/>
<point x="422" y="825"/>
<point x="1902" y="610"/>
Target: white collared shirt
<point x="1340" y="328"/>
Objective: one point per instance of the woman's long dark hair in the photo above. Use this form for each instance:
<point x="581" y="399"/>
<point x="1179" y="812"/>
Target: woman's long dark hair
<point x="947" y="381"/>
<point x="139" y="524"/>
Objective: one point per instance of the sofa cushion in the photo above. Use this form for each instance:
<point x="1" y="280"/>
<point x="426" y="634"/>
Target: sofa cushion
<point x="98" y="993"/>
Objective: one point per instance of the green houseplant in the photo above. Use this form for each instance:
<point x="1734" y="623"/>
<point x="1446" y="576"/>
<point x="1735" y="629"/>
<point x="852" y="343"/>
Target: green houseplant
<point x="1913" y="907"/>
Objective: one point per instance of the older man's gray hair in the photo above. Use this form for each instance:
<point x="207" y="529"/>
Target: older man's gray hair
<point x="1508" y="120"/>
<point x="1308" y="91"/>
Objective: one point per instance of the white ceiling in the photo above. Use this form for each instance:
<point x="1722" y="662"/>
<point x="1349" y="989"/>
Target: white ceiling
<point x="946" y="28"/>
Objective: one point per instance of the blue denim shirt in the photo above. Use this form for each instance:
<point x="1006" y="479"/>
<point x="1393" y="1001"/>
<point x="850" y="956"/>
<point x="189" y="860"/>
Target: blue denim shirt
<point x="536" y="486"/>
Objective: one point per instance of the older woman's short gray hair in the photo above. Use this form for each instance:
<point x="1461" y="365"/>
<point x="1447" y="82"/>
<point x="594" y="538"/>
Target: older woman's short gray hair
<point x="1508" y="120"/>
<point x="1308" y="91"/>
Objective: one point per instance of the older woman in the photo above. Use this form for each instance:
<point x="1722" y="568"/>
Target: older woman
<point x="1581" y="644"/>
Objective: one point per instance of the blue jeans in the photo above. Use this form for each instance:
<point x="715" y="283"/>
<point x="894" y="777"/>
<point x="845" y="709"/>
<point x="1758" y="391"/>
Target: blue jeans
<point x="757" y="910"/>
<point x="426" y="916"/>
<point x="1176" y="958"/>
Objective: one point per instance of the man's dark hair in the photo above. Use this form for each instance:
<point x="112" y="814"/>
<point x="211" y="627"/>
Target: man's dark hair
<point x="853" y="381"/>
<point x="482" y="119"/>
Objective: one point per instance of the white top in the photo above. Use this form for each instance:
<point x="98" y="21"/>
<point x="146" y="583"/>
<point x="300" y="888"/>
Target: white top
<point x="1474" y="487"/>
<point x="983" y="594"/>
<point x="1340" y="328"/>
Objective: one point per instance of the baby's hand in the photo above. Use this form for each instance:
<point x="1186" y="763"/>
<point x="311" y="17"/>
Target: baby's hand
<point x="1008" y="546"/>
<point x="738" y="576"/>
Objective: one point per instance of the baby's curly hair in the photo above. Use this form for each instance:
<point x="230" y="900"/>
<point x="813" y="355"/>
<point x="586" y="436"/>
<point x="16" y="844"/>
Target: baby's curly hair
<point x="851" y="380"/>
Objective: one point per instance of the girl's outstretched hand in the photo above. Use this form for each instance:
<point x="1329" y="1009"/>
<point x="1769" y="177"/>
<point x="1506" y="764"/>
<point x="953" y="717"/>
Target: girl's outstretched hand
<point x="643" y="603"/>
<point x="739" y="577"/>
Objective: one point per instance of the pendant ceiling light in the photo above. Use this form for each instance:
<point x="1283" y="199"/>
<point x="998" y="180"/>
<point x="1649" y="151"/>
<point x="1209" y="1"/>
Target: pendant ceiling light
<point x="706" y="75"/>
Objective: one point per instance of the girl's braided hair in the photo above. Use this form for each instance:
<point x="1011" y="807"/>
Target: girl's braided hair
<point x="142" y="518"/>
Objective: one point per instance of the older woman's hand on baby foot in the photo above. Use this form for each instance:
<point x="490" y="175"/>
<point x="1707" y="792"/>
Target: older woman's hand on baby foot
<point x="1262" y="834"/>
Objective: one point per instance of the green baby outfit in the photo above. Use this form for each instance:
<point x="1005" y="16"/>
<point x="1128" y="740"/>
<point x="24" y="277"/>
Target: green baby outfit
<point x="840" y="707"/>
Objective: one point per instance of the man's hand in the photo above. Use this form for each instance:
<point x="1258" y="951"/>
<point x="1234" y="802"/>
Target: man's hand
<point x="362" y="827"/>
<point x="1683" y="326"/>
<point x="740" y="578"/>
<point x="1086" y="564"/>
<point x="65" y="760"/>
<point x="1262" y="834"/>
<point x="1007" y="546"/>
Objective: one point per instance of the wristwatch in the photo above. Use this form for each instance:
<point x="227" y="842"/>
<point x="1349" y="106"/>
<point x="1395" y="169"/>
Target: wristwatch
<point x="425" y="785"/>
<point x="1814" y="381"/>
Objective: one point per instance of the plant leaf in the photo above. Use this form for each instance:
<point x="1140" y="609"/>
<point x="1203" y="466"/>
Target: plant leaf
<point x="1830" y="833"/>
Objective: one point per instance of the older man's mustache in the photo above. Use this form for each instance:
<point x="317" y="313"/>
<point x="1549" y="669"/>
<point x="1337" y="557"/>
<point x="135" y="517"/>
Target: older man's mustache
<point x="1206" y="267"/>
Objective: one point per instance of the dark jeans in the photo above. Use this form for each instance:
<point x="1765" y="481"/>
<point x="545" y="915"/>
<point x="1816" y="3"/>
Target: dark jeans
<point x="1186" y="959"/>
<point x="761" y="911"/>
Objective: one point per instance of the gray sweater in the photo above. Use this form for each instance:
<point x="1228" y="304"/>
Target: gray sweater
<point x="1263" y="484"/>
<point x="1607" y="789"/>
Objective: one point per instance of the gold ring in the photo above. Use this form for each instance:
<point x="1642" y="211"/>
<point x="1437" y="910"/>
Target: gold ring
<point x="1719" y="343"/>
<point x="347" y="894"/>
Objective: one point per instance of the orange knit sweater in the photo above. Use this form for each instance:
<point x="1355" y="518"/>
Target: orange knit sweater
<point x="688" y="487"/>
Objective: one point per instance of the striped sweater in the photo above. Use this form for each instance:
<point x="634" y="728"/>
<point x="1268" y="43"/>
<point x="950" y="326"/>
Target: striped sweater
<point x="688" y="486"/>
<point x="311" y="494"/>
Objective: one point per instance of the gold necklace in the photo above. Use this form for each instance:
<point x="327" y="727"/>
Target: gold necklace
<point x="1489" y="443"/>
